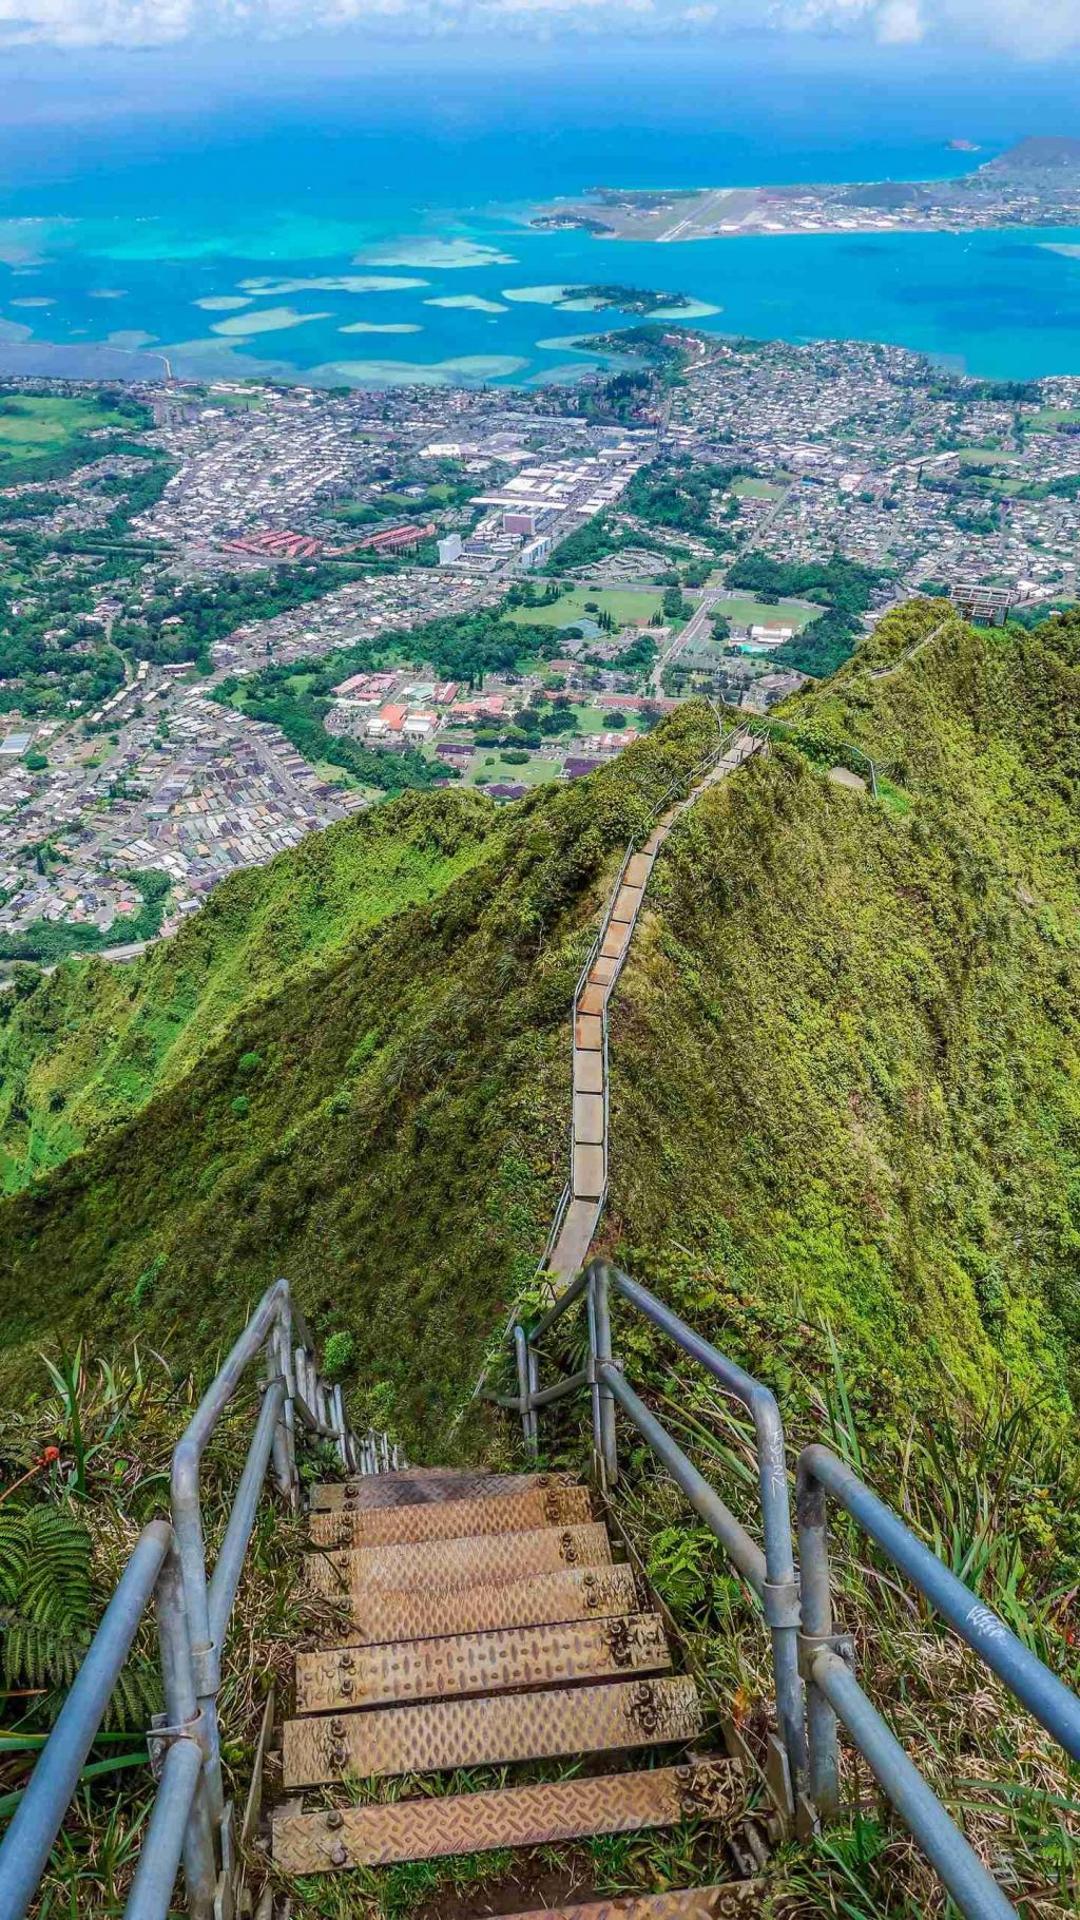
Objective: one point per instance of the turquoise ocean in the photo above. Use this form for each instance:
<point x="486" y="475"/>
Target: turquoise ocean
<point x="376" y="232"/>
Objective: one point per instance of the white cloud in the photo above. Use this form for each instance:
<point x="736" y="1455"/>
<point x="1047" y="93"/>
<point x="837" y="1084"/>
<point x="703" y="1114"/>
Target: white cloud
<point x="1040" y="31"/>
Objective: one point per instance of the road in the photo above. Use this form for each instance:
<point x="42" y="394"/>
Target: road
<point x="693" y="630"/>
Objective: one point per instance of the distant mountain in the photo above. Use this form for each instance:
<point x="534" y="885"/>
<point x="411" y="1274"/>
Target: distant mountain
<point x="1041" y="153"/>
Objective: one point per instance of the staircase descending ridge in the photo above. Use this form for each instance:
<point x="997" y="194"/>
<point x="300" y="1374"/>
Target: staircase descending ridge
<point x="584" y="1197"/>
<point x="491" y="1627"/>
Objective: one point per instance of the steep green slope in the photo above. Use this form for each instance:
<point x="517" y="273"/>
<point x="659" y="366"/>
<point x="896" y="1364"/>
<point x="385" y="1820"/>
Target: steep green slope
<point x="388" y="1127"/>
<point x="85" y="1051"/>
<point x="844" y="1069"/>
<point x="846" y="1051"/>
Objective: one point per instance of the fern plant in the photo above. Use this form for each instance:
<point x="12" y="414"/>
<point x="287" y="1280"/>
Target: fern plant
<point x="48" y="1611"/>
<point x="45" y="1596"/>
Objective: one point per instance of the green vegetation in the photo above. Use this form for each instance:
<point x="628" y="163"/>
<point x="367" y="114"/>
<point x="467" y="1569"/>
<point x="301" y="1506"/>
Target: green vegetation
<point x="43" y="435"/>
<point x="625" y="299"/>
<point x="88" y="1050"/>
<point x="843" y="587"/>
<point x="684" y="496"/>
<point x="455" y="1102"/>
<point x="626" y="605"/>
<point x="297" y="697"/>
<point x="845" y="1056"/>
<point x="47" y="941"/>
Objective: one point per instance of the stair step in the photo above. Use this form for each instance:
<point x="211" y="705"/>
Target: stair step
<point x="377" y="1836"/>
<point x="682" y="1903"/>
<point x="571" y="1250"/>
<point x="626" y="904"/>
<point x="638" y="871"/>
<point x="453" y="1519"/>
<point x="492" y="1731"/>
<point x="592" y="998"/>
<point x="615" y="941"/>
<point x="481" y="1560"/>
<point x="412" y="1489"/>
<point x="381" y="1614"/>
<point x="494" y="1662"/>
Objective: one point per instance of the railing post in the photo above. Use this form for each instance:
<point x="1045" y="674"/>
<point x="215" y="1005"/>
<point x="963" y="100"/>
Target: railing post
<point x="823" y="1784"/>
<point x="529" y="1424"/>
<point x="284" y="1468"/>
<point x="282" y="1339"/>
<point x="182" y="1710"/>
<point x="600" y="1353"/>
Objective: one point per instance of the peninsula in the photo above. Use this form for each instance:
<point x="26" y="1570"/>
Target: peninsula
<point x="1034" y="184"/>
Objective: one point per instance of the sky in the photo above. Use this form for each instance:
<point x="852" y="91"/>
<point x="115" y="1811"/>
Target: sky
<point x="1030" y="31"/>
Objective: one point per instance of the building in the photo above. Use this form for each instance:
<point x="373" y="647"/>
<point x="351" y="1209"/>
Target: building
<point x="450" y="549"/>
<point x="987" y="606"/>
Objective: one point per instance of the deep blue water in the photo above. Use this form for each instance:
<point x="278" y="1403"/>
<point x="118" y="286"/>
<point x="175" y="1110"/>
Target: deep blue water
<point x="117" y="219"/>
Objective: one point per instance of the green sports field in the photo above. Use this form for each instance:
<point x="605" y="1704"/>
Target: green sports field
<point x="626" y="606"/>
<point x="33" y="424"/>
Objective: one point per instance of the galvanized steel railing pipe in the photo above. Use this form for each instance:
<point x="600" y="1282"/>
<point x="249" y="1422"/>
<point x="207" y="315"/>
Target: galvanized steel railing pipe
<point x="800" y="1615"/>
<point x="169" y="1562"/>
<point x="52" y="1784"/>
<point x="772" y="1573"/>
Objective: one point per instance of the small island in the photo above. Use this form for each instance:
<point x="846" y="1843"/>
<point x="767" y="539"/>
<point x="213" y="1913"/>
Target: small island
<point x="641" y="300"/>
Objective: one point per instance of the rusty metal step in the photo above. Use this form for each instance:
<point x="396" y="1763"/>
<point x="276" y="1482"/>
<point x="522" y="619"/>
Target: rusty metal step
<point x="453" y="1519"/>
<point x="485" y="1560"/>
<point x="414" y="1488"/>
<point x="382" y="1613"/>
<point x="682" y="1903"/>
<point x="498" y="1662"/>
<point x="376" y="1836"/>
<point x="491" y="1731"/>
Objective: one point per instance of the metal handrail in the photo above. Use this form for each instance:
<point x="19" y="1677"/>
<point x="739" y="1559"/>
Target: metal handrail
<point x="189" y="1819"/>
<point x="770" y="1573"/>
<point x="680" y="787"/>
<point x="833" y="1692"/>
<point x="798" y="1609"/>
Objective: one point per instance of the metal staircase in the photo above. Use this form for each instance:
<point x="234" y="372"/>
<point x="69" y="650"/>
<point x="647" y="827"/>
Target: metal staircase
<point x="578" y="1214"/>
<point x="491" y="1627"/>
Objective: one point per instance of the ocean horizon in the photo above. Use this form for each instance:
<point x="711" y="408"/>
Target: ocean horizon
<point x="376" y="237"/>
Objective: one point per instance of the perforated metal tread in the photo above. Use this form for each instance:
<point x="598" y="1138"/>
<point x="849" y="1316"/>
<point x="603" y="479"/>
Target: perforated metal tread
<point x="386" y="1613"/>
<point x="492" y="1731"/>
<point x="453" y="1519"/>
<point x="416" y="1487"/>
<point x="377" y="1836"/>
<point x="508" y="1659"/>
<point x="485" y="1560"/>
<point x="682" y="1903"/>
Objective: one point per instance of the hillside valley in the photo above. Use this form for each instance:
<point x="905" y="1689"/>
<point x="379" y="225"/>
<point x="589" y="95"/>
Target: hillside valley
<point x="844" y="1057"/>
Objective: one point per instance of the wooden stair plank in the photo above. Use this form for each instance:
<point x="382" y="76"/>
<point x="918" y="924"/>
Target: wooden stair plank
<point x="616" y="940"/>
<point x="453" y="1519"/>
<point x="377" y="1836"/>
<point x="589" y="1172"/>
<point x="589" y="1119"/>
<point x="491" y="1731"/>
<point x="497" y="1662"/>
<point x="571" y="1250"/>
<point x="626" y="904"/>
<point x="588" y="1072"/>
<point x="592" y="998"/>
<point x="589" y="1032"/>
<point x="638" y="871"/>
<point x="486" y="1560"/>
<point x="580" y="1593"/>
<point x="409" y="1489"/>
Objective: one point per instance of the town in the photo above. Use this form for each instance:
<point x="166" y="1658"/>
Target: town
<point x="238" y="613"/>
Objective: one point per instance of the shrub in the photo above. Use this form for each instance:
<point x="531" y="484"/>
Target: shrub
<point x="338" y="1355"/>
